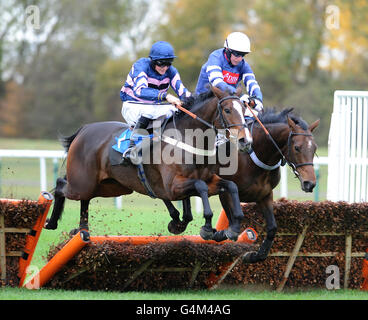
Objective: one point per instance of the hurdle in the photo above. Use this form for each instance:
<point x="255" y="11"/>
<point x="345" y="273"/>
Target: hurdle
<point x="31" y="234"/>
<point x="83" y="238"/>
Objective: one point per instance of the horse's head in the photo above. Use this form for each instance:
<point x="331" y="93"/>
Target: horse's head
<point x="231" y="116"/>
<point x="301" y="148"/>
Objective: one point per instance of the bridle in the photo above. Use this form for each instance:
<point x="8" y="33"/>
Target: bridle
<point x="291" y="163"/>
<point x="223" y="121"/>
<point x="291" y="134"/>
<point x="283" y="160"/>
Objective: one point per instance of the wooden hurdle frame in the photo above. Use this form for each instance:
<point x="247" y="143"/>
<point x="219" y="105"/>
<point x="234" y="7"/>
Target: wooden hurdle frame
<point x="82" y="238"/>
<point x="33" y="234"/>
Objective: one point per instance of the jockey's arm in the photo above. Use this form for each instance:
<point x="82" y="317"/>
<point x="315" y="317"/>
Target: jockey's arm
<point x="216" y="79"/>
<point x="142" y="91"/>
<point x="178" y="85"/>
<point x="253" y="89"/>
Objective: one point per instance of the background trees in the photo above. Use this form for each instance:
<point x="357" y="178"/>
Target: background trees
<point x="69" y="71"/>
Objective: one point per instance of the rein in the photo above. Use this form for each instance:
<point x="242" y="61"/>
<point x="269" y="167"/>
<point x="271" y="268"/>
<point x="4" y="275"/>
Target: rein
<point x="292" y="165"/>
<point x="192" y="149"/>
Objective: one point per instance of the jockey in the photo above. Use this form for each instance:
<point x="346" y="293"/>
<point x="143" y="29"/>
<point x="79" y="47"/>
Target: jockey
<point x="226" y="68"/>
<point x="146" y="86"/>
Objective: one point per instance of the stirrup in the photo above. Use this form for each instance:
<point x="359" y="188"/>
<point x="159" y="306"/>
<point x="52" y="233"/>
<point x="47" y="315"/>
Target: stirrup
<point x="127" y="152"/>
<point x="125" y="159"/>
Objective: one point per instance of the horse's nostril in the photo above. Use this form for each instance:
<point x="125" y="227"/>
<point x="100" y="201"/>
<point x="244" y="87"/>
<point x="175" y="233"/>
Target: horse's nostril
<point x="308" y="186"/>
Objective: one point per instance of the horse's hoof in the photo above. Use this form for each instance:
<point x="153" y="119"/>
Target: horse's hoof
<point x="73" y="232"/>
<point x="176" y="227"/>
<point x="230" y="234"/>
<point x="250" y="257"/>
<point x="205" y="234"/>
<point x="84" y="235"/>
<point x="219" y="236"/>
<point x="49" y="226"/>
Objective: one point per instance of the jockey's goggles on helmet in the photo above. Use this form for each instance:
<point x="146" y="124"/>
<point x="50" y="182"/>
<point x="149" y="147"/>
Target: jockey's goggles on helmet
<point x="163" y="62"/>
<point x="238" y="53"/>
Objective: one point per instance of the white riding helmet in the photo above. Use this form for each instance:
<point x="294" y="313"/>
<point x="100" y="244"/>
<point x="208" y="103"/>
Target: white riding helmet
<point x="237" y="41"/>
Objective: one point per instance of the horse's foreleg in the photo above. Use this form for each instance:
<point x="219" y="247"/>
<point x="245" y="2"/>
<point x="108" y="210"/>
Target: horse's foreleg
<point x="184" y="186"/>
<point x="59" y="202"/>
<point x="271" y="229"/>
<point x="177" y="226"/>
<point x="174" y="225"/>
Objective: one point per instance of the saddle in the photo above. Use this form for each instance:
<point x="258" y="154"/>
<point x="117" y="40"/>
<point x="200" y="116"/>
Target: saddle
<point x="121" y="142"/>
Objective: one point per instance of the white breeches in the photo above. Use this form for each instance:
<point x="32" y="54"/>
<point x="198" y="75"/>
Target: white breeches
<point x="132" y="111"/>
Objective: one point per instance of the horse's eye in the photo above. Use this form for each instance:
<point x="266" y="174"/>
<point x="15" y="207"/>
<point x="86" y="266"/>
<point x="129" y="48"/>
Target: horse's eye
<point x="297" y="148"/>
<point x="227" y="110"/>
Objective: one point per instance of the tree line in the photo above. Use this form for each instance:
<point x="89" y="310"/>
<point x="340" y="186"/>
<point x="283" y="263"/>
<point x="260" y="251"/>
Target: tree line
<point x="69" y="70"/>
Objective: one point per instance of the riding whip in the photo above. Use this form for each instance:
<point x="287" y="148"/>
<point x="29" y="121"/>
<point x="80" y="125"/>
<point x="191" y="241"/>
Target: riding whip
<point x="191" y="114"/>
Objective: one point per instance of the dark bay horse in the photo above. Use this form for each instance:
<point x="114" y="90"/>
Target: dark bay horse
<point x="89" y="173"/>
<point x="256" y="179"/>
<point x="258" y="172"/>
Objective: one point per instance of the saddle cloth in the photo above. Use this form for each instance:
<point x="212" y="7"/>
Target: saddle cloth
<point x="123" y="141"/>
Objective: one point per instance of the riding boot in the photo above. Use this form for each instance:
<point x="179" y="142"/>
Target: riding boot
<point x="142" y="123"/>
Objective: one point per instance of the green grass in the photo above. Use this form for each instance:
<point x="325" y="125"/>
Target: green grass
<point x="218" y="294"/>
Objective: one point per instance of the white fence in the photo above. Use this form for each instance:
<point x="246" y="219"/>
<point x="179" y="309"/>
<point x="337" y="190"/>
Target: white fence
<point x="347" y="147"/>
<point x="42" y="155"/>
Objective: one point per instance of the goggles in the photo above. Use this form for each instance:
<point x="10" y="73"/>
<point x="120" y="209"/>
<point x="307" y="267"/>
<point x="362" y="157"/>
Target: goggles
<point x="163" y="63"/>
<point x="238" y="53"/>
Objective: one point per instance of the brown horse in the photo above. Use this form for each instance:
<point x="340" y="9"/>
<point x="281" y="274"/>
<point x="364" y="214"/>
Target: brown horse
<point x="258" y="172"/>
<point x="90" y="174"/>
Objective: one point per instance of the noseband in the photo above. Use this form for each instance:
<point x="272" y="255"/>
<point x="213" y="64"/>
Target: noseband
<point x="223" y="121"/>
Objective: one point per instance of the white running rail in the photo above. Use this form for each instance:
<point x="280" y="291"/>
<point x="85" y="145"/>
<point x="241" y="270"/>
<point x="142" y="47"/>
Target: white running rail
<point x="348" y="147"/>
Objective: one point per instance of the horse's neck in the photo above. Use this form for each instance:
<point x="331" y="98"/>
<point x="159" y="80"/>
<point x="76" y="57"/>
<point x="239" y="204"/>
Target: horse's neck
<point x="263" y="145"/>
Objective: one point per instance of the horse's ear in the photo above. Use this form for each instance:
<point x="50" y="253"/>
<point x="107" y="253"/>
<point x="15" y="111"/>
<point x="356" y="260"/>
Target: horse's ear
<point x="218" y="92"/>
<point x="314" y="125"/>
<point x="291" y="123"/>
<point x="239" y="90"/>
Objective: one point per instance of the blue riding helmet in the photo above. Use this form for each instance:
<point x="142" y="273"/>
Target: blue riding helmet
<point x="162" y="50"/>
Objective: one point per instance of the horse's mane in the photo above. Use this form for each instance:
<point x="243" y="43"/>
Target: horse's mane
<point x="272" y="116"/>
<point x="191" y="103"/>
